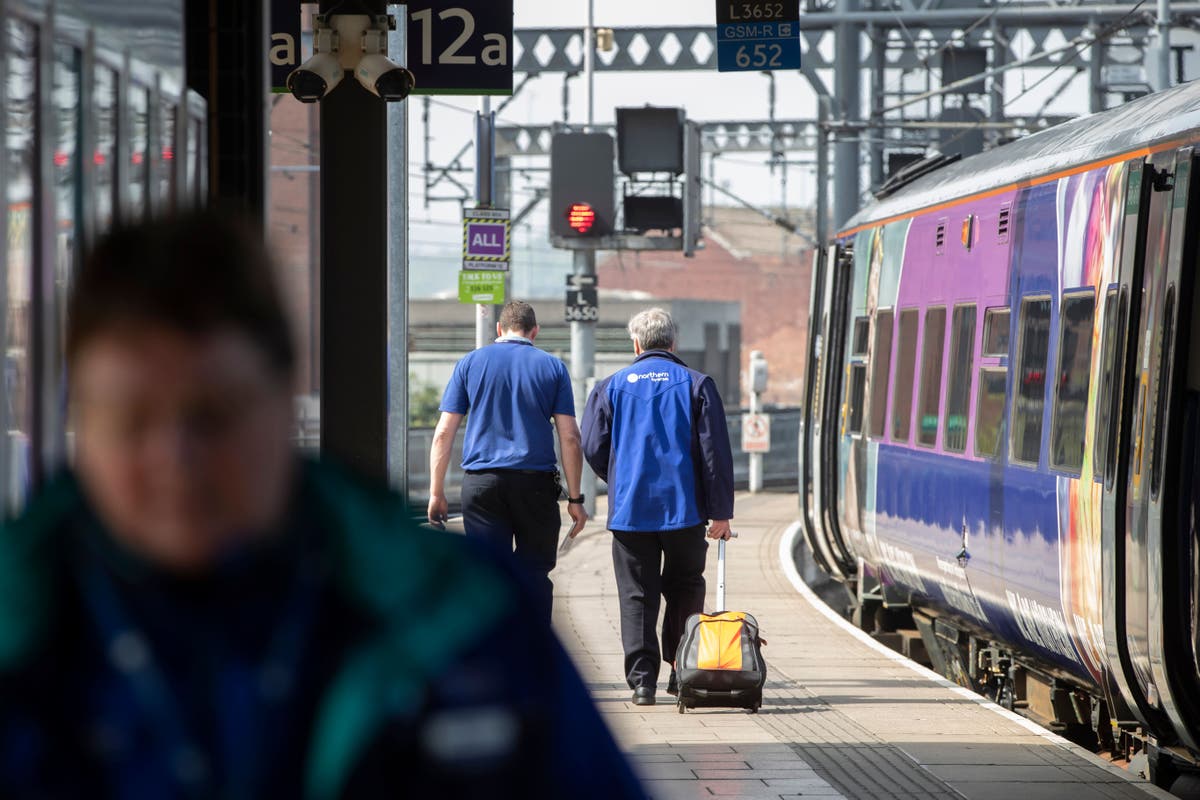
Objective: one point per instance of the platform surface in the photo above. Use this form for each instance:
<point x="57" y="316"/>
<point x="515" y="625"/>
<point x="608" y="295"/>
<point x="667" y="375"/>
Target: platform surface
<point x="840" y="717"/>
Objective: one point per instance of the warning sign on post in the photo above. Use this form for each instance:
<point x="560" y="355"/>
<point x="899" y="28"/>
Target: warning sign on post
<point x="756" y="433"/>
<point x="486" y="239"/>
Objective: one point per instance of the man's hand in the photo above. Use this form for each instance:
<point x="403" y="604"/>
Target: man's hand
<point x="438" y="511"/>
<point x="719" y="529"/>
<point x="579" y="515"/>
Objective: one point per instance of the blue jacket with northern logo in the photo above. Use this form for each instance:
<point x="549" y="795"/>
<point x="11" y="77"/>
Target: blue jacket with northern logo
<point x="655" y="431"/>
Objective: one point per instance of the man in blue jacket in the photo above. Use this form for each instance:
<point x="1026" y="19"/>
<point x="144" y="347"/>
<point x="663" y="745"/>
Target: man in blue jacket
<point x="655" y="431"/>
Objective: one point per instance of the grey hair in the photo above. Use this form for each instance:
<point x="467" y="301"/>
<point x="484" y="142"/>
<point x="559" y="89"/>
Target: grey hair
<point x="653" y="329"/>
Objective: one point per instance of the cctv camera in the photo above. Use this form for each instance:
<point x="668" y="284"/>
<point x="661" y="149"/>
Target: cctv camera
<point x="383" y="77"/>
<point x="315" y="78"/>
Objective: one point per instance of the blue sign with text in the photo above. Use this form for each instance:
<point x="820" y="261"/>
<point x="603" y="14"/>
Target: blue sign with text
<point x="758" y="46"/>
<point x="757" y="35"/>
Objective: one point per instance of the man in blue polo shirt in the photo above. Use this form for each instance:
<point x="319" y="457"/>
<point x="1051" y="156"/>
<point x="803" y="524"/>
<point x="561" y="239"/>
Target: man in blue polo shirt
<point x="517" y="396"/>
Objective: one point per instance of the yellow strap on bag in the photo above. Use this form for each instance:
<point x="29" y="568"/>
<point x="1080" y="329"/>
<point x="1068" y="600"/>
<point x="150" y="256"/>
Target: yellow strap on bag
<point x="720" y="644"/>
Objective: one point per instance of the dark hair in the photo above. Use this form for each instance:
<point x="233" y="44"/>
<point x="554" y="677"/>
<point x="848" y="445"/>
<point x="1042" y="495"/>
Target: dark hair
<point x="194" y="273"/>
<point x="517" y="315"/>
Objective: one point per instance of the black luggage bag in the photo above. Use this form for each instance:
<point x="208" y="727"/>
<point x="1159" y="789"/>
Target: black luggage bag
<point x="719" y="661"/>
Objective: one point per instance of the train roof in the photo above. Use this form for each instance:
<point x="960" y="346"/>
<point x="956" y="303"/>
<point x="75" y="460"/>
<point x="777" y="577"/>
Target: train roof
<point x="1131" y="128"/>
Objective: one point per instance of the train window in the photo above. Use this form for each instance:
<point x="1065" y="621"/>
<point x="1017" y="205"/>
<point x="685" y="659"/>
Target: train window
<point x="930" y="406"/>
<point x="958" y="384"/>
<point x="20" y="145"/>
<point x="1029" y="394"/>
<point x="1108" y="326"/>
<point x="66" y="171"/>
<point x="856" y="388"/>
<point x="139" y="147"/>
<point x="861" y="327"/>
<point x="995" y="332"/>
<point x="989" y="411"/>
<point x="191" y="180"/>
<point x="881" y="362"/>
<point x="1165" y="358"/>
<point x="201" y="172"/>
<point x="1113" y="356"/>
<point x="906" y="362"/>
<point x="819" y="371"/>
<point x="1071" y="381"/>
<point x="855" y="395"/>
<point x="104" y="118"/>
<point x="166" y="153"/>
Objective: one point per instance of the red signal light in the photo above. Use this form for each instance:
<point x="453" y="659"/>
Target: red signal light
<point x="581" y="217"/>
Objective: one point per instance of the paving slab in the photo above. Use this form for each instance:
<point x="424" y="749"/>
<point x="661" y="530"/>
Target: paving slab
<point x="842" y="716"/>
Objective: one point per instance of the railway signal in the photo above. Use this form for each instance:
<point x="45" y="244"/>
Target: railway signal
<point x="658" y="152"/>
<point x="581" y="185"/>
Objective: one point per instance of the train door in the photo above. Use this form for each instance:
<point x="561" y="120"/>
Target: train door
<point x="1162" y="511"/>
<point x="817" y="413"/>
<point x="836" y="319"/>
<point x="809" y="425"/>
<point x="1140" y="524"/>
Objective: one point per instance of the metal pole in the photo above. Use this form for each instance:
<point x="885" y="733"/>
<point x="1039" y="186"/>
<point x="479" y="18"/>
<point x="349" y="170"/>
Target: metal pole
<point x="1096" y="75"/>
<point x="354" y="275"/>
<point x="756" y="462"/>
<point x="999" y="56"/>
<point x="1012" y="14"/>
<point x="589" y="63"/>
<point x="583" y="334"/>
<point x="878" y="87"/>
<point x="849" y="100"/>
<point x="583" y="368"/>
<point x="397" y="329"/>
<point x="1164" y="44"/>
<point x="822" y="221"/>
<point x="485" y="173"/>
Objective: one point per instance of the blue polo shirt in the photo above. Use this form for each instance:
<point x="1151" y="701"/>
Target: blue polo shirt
<point x="509" y="391"/>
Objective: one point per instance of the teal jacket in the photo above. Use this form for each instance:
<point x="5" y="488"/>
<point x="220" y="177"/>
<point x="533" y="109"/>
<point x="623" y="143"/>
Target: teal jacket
<point x="423" y="609"/>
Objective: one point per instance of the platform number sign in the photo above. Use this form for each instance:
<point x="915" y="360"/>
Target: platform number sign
<point x="758" y="35"/>
<point x="461" y="46"/>
<point x="582" y="303"/>
<point x="283" y="48"/>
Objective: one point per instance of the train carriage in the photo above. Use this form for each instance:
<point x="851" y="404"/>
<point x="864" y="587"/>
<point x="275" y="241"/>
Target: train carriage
<point x="1003" y="420"/>
<point x="99" y="128"/>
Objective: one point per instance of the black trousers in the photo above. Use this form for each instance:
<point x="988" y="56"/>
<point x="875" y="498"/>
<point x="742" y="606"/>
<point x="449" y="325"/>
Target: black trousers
<point x="649" y="564"/>
<point x="505" y="507"/>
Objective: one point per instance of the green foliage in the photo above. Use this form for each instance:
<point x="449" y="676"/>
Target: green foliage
<point x="423" y="401"/>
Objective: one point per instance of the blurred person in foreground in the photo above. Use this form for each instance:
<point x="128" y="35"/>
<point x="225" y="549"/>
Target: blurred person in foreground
<point x="197" y="612"/>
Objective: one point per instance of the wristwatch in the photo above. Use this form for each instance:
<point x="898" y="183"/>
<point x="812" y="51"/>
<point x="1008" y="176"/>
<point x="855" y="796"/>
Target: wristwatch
<point x="577" y="500"/>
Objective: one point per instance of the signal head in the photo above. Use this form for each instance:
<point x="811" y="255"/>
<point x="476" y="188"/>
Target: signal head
<point x="581" y="217"/>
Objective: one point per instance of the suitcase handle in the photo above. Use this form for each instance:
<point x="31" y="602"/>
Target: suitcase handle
<point x="721" y="571"/>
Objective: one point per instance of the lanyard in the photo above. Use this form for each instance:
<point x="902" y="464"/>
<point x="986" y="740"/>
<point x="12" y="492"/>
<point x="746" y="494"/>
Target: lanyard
<point x="246" y="698"/>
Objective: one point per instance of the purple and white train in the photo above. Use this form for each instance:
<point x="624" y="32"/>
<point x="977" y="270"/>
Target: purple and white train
<point x="1002" y="427"/>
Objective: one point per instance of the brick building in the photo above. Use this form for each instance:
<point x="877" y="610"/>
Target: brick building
<point x="747" y="260"/>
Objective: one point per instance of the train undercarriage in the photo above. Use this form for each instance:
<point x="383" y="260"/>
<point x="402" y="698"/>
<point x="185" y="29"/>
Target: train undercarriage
<point x="1042" y="694"/>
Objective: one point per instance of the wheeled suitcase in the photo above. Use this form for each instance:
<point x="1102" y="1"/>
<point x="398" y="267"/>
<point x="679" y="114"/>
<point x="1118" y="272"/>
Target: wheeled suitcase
<point x="719" y="661"/>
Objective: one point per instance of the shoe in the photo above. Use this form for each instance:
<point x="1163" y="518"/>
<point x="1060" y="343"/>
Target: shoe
<point x="643" y="696"/>
<point x="673" y="684"/>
